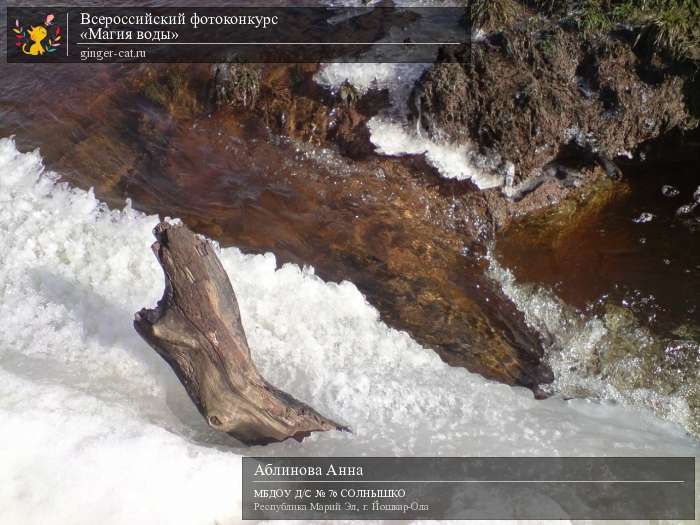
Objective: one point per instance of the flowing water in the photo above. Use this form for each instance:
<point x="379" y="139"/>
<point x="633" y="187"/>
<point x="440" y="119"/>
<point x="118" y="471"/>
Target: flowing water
<point x="371" y="246"/>
<point x="618" y="289"/>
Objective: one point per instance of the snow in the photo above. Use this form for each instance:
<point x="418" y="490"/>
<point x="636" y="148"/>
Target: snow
<point x="96" y="428"/>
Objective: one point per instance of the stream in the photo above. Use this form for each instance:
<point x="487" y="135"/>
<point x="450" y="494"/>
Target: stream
<point x="360" y="280"/>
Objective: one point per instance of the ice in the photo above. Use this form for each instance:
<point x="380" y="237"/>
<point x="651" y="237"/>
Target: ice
<point x="669" y="191"/>
<point x="398" y="79"/>
<point x="96" y="428"/>
<point x="364" y="77"/>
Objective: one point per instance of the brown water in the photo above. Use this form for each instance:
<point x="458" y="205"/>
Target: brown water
<point x="629" y="326"/>
<point x="404" y="236"/>
<point x="411" y="241"/>
<point x="650" y="265"/>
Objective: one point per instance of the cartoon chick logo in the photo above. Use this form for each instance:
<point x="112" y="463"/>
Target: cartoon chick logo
<point x="37" y="40"/>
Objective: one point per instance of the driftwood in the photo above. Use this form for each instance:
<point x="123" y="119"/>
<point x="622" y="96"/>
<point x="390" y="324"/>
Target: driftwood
<point x="196" y="327"/>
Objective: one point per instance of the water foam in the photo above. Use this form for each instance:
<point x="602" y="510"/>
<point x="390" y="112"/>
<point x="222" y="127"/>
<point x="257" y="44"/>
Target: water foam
<point x="96" y="428"/>
<point x="608" y="357"/>
<point x="452" y="161"/>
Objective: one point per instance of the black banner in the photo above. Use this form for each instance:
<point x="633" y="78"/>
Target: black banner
<point x="237" y="34"/>
<point x="469" y="488"/>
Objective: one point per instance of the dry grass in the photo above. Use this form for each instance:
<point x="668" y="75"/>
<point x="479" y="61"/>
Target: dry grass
<point x="491" y="15"/>
<point x="674" y="25"/>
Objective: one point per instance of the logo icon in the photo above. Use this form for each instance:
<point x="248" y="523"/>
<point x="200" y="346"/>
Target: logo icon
<point x="39" y="39"/>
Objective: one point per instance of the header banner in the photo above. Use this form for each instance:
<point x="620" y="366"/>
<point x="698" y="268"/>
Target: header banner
<point x="237" y="34"/>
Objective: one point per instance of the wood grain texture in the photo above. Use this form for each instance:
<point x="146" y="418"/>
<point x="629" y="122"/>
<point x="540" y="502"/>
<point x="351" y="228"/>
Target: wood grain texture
<point x="196" y="327"/>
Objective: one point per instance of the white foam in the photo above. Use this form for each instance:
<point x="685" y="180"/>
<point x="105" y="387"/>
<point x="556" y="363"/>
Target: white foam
<point x="96" y="429"/>
<point x="451" y="160"/>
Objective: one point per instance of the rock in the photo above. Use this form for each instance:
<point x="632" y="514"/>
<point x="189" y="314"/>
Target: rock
<point x="255" y="177"/>
<point x="348" y="94"/>
<point x="234" y="85"/>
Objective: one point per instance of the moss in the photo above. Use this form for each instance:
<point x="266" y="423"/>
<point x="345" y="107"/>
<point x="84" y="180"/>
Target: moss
<point x="548" y="43"/>
<point x="551" y="7"/>
<point x="674" y="25"/>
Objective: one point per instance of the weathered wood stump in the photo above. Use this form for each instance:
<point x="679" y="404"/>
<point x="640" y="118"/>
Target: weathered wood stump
<point x="196" y="327"/>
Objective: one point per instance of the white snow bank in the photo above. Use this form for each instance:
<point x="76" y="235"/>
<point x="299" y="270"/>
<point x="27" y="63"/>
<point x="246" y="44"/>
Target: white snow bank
<point x="94" y="427"/>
